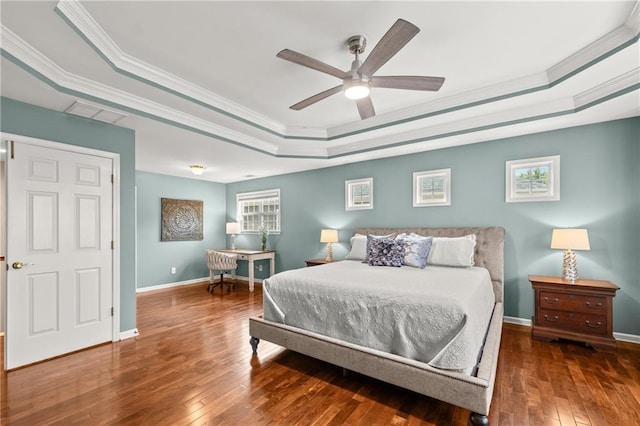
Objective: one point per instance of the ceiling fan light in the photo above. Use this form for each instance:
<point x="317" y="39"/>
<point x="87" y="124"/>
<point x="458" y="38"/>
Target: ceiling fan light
<point x="357" y="91"/>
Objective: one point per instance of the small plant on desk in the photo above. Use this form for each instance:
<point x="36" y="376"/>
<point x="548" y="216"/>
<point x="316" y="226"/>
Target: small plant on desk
<point x="264" y="233"/>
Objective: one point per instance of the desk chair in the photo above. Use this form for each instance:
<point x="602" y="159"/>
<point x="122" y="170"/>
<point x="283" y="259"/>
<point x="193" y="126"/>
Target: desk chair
<point x="223" y="262"/>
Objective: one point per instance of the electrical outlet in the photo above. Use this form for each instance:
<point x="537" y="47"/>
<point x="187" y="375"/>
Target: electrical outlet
<point x="173" y="270"/>
<point x="259" y="268"/>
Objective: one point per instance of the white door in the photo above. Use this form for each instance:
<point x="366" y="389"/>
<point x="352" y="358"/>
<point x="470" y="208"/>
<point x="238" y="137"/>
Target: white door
<point x="59" y="252"/>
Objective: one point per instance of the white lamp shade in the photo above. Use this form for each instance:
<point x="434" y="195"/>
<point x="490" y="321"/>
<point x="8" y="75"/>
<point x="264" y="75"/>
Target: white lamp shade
<point x="233" y="228"/>
<point x="574" y="239"/>
<point x="329" y="236"/>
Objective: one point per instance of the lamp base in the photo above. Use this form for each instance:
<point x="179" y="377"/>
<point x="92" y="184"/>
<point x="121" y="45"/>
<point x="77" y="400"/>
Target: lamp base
<point x="329" y="257"/>
<point x="233" y="241"/>
<point x="569" y="265"/>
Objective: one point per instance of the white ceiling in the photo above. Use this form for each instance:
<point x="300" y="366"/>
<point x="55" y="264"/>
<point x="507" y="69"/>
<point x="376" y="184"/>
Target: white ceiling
<point x="199" y="82"/>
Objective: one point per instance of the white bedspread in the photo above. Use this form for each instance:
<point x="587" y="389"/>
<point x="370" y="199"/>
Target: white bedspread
<point x="437" y="315"/>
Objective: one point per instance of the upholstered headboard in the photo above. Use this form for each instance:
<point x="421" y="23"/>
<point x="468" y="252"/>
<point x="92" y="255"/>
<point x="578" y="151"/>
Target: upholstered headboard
<point x="489" y="247"/>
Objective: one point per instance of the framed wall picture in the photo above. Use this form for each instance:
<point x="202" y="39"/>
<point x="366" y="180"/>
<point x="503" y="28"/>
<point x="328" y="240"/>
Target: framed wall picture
<point x="533" y="179"/>
<point x="358" y="194"/>
<point x="432" y="188"/>
<point x="181" y="220"/>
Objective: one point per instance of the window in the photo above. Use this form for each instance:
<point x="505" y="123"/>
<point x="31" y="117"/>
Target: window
<point x="533" y="179"/>
<point x="358" y="194"/>
<point x="432" y="188"/>
<point x="257" y="209"/>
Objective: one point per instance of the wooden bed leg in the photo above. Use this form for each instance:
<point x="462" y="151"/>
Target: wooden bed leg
<point x="253" y="341"/>
<point x="345" y="372"/>
<point x="476" y="419"/>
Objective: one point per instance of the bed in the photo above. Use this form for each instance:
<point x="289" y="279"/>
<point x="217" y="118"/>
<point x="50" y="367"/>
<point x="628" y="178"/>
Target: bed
<point x="469" y="388"/>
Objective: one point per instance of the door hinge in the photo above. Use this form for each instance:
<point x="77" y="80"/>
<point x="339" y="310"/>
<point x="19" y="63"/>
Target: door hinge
<point x="112" y="311"/>
<point x="12" y="150"/>
<point x="112" y="245"/>
<point x="113" y="179"/>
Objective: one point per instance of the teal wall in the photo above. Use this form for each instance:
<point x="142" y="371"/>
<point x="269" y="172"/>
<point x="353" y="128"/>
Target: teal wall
<point x="155" y="257"/>
<point x="28" y="120"/>
<point x="600" y="190"/>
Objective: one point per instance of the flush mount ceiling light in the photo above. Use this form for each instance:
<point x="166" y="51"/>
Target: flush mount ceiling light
<point x="197" y="169"/>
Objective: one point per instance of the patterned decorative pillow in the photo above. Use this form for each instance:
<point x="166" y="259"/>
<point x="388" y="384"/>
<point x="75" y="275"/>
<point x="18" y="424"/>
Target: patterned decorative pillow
<point x="457" y="251"/>
<point x="416" y="249"/>
<point x="384" y="251"/>
<point x="371" y="236"/>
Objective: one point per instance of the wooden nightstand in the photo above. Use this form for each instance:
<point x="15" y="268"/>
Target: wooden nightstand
<point x="316" y="262"/>
<point x="580" y="310"/>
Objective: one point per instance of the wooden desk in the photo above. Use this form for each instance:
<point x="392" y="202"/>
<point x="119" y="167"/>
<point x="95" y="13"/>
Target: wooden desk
<point x="251" y="256"/>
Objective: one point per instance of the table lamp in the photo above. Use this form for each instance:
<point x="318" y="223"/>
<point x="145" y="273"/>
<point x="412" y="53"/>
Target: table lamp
<point x="569" y="240"/>
<point x="329" y="236"/>
<point x="233" y="228"/>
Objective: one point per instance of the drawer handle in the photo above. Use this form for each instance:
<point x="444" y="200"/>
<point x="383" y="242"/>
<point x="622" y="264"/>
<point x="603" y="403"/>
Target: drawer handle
<point x="555" y="318"/>
<point x="552" y="301"/>
<point x="597" y="305"/>
<point x="598" y="324"/>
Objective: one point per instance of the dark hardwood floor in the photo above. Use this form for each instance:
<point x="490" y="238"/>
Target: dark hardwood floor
<point x="192" y="364"/>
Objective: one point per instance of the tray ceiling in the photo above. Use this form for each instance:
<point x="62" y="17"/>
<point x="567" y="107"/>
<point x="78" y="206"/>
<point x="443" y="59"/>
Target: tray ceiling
<point x="199" y="82"/>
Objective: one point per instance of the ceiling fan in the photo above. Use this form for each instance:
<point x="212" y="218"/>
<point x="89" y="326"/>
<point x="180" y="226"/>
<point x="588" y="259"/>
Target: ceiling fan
<point x="358" y="81"/>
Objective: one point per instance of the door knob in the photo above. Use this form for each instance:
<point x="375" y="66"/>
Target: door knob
<point x="20" y="265"/>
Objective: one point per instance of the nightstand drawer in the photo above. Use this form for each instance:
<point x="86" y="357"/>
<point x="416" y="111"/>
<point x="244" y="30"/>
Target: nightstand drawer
<point x="572" y="302"/>
<point x="581" y="323"/>
<point x="243" y="257"/>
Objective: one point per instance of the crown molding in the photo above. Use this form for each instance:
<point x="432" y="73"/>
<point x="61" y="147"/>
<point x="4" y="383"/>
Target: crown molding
<point x="376" y="138"/>
<point x="437" y="135"/>
<point x="456" y="102"/>
<point x="308" y="133"/>
<point x="595" y="52"/>
<point x="458" y="127"/>
<point x="27" y="56"/>
<point x="633" y="21"/>
<point x="80" y="19"/>
<point x="626" y="81"/>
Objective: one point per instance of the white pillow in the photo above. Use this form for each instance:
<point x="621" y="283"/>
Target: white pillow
<point x="358" y="248"/>
<point x="456" y="251"/>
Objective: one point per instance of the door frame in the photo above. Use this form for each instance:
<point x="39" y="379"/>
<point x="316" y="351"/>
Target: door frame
<point x="115" y="217"/>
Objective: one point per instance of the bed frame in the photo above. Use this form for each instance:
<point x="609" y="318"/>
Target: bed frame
<point x="471" y="392"/>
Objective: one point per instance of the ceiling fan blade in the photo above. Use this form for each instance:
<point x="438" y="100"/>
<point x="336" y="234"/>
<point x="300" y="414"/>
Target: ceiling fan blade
<point x="400" y="33"/>
<point x="365" y="107"/>
<point x="408" y="82"/>
<point x="314" y="64"/>
<point x="316" y="98"/>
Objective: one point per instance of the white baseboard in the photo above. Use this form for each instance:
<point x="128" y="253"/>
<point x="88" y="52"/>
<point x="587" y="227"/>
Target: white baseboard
<point x="629" y="338"/>
<point x="129" y="334"/>
<point x="623" y="337"/>
<point x="169" y="285"/>
<point x="516" y="320"/>
<point x="193" y="281"/>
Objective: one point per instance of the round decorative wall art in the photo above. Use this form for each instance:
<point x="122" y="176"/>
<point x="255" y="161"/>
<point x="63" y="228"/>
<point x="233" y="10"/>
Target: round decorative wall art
<point x="181" y="220"/>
